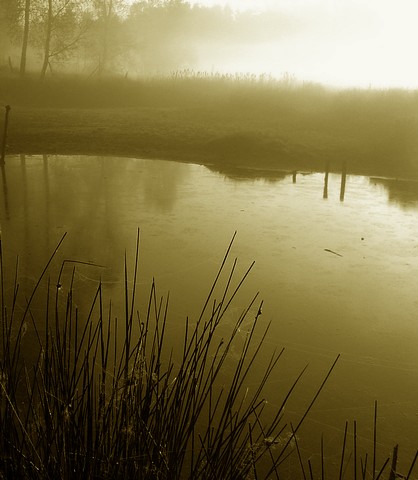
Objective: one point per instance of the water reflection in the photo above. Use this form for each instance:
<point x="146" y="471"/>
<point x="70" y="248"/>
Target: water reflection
<point x="343" y="181"/>
<point x="332" y="274"/>
<point x="99" y="202"/>
<point x="274" y="176"/>
<point x="402" y="192"/>
<point x="325" y="192"/>
<point x="245" y="174"/>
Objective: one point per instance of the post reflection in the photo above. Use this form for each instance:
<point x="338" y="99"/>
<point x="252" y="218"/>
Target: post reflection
<point x="325" y="193"/>
<point x="343" y="181"/>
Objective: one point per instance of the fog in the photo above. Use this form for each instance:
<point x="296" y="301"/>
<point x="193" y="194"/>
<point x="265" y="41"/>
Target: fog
<point x="343" y="44"/>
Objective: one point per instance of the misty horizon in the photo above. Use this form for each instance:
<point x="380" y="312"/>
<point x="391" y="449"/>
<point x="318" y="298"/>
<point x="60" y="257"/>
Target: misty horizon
<point x="344" y="46"/>
<point x="349" y="44"/>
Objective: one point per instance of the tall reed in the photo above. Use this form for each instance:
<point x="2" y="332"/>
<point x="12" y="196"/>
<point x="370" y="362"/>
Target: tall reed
<point x="90" y="406"/>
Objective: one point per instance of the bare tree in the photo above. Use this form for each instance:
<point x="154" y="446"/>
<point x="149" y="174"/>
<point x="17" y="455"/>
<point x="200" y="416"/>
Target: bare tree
<point x="47" y="44"/>
<point x="25" y="39"/>
<point x="10" y="29"/>
<point x="108" y="15"/>
<point x="63" y="29"/>
<point x="107" y="11"/>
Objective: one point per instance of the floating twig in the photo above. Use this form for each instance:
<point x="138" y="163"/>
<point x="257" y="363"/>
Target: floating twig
<point x="332" y="251"/>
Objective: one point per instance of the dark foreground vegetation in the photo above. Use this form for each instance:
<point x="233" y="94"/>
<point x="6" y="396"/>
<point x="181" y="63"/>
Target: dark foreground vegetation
<point x="77" y="403"/>
<point x="225" y="121"/>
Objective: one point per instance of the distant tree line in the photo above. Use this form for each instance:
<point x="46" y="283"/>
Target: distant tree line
<point x="102" y="37"/>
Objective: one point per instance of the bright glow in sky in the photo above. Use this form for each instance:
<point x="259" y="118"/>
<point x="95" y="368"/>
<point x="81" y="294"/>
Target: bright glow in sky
<point x="336" y="42"/>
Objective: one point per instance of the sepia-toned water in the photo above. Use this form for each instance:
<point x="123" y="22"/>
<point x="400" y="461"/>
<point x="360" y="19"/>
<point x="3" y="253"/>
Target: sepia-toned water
<point x="337" y="270"/>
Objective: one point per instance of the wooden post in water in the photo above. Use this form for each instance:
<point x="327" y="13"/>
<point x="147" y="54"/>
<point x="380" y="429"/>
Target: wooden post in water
<point x="325" y="195"/>
<point x="343" y="179"/>
<point x="6" y="124"/>
<point x="294" y="176"/>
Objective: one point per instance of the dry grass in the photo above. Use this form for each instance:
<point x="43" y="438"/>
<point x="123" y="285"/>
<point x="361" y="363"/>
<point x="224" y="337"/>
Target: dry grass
<point x="222" y="121"/>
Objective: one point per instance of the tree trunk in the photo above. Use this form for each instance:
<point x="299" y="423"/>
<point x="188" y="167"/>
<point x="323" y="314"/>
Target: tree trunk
<point x="25" y="39"/>
<point x="47" y="45"/>
<point x="107" y="13"/>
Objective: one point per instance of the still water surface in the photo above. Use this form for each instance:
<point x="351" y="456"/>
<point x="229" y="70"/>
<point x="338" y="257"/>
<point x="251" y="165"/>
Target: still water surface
<point x="337" y="275"/>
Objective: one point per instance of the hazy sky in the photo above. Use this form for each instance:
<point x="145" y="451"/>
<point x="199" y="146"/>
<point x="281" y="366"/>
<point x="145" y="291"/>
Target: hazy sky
<point x="338" y="42"/>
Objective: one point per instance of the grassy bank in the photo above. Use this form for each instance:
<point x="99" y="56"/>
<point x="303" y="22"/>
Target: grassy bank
<point x="225" y="121"/>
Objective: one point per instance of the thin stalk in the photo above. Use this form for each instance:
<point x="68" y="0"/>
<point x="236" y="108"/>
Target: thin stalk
<point x="412" y="465"/>
<point x="343" y="452"/>
<point x="383" y="468"/>
<point x="310" y="404"/>
<point x="215" y="282"/>
<point x="33" y="293"/>
<point x="310" y="469"/>
<point x="252" y="446"/>
<point x="374" y="439"/>
<point x="298" y="452"/>
<point x="355" y="450"/>
<point x="16" y="414"/>
<point x="364" y="467"/>
<point x="3" y="312"/>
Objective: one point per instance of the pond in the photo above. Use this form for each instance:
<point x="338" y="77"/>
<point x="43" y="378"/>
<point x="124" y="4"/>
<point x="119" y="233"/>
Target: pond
<point x="337" y="270"/>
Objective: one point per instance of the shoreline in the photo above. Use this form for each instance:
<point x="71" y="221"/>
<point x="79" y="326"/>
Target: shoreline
<point x="216" y="124"/>
<point x="229" y="170"/>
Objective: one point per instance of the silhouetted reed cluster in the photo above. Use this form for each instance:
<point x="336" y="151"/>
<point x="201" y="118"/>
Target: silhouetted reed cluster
<point x="82" y="404"/>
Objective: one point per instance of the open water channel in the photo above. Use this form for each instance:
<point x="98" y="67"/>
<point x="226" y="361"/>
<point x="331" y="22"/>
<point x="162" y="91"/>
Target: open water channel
<point x="338" y="273"/>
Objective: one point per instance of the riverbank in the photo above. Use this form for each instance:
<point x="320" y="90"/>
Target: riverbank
<point x="217" y="121"/>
